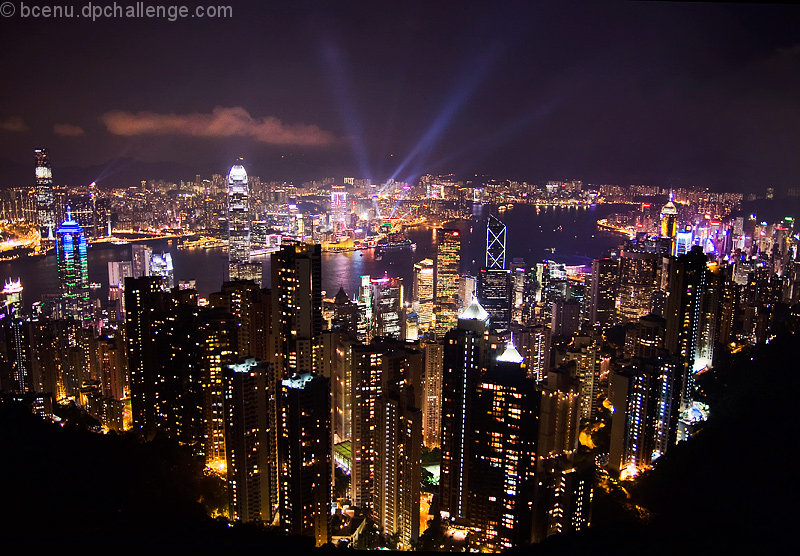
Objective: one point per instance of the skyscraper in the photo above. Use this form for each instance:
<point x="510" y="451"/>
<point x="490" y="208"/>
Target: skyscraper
<point x="647" y="397"/>
<point x="495" y="294"/>
<point x="605" y="279"/>
<point x="669" y="220"/>
<point x="161" y="265"/>
<point x="638" y="278"/>
<point x="423" y="292"/>
<point x="448" y="260"/>
<point x="398" y="450"/>
<point x="466" y="354"/>
<point x="304" y="456"/>
<point x="505" y="429"/>
<point x="238" y="220"/>
<point x="686" y="333"/>
<point x="367" y="389"/>
<point x="73" y="270"/>
<point x="494" y="280"/>
<point x="247" y="440"/>
<point x="141" y="256"/>
<point x="296" y="308"/>
<point x="17" y="354"/>
<point x="495" y="243"/>
<point x="565" y="318"/>
<point x="166" y="342"/>
<point x="387" y="303"/>
<point x="139" y="305"/>
<point x="250" y="308"/>
<point x="585" y="351"/>
<point x="11" y="297"/>
<point x="338" y="215"/>
<point x="216" y="334"/>
<point x="432" y="394"/>
<point x="45" y="201"/>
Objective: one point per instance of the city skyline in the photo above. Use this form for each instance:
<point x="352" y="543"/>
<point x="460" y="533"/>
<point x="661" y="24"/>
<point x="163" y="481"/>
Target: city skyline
<point x="415" y="277"/>
<point x="670" y="94"/>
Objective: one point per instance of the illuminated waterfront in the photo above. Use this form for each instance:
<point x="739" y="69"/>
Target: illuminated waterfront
<point x="566" y="235"/>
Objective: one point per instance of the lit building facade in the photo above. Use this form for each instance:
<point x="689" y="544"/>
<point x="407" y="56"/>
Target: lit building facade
<point x="398" y="465"/>
<point x="466" y="355"/>
<point x="238" y="220"/>
<point x="604" y="285"/>
<point x="304" y="456"/>
<point x="646" y="400"/>
<point x="45" y="199"/>
<point x="387" y="307"/>
<point x="338" y="214"/>
<point x="422" y="295"/>
<point x="448" y="260"/>
<point x="432" y="394"/>
<point x="296" y="308"/>
<point x="495" y="243"/>
<point x="505" y="427"/>
<point x="247" y="440"/>
<point x="73" y="270"/>
<point x="161" y="265"/>
<point x="495" y="294"/>
<point x="638" y="278"/>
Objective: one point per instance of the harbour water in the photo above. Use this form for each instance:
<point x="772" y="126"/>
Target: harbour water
<point x="568" y="235"/>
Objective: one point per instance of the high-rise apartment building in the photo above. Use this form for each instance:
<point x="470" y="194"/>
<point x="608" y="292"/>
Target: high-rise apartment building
<point x="250" y="307"/>
<point x="304" y="456"/>
<point x="585" y="351"/>
<point x="249" y="460"/>
<point x="217" y="339"/>
<point x="646" y="400"/>
<point x="398" y="463"/>
<point x="296" y="308"/>
<point x="687" y="334"/>
<point x="432" y="394"/>
<point x="565" y="318"/>
<point x="367" y="388"/>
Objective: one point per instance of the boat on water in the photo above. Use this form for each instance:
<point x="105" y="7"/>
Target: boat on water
<point x="395" y="242"/>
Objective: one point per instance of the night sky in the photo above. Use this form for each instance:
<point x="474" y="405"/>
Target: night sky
<point x="674" y="94"/>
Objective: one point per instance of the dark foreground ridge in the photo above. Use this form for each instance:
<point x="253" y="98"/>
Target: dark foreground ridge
<point x="730" y="486"/>
<point x="70" y="486"/>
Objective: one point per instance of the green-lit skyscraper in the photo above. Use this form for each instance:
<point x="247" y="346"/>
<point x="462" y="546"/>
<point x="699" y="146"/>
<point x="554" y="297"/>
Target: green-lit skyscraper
<point x="73" y="270"/>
